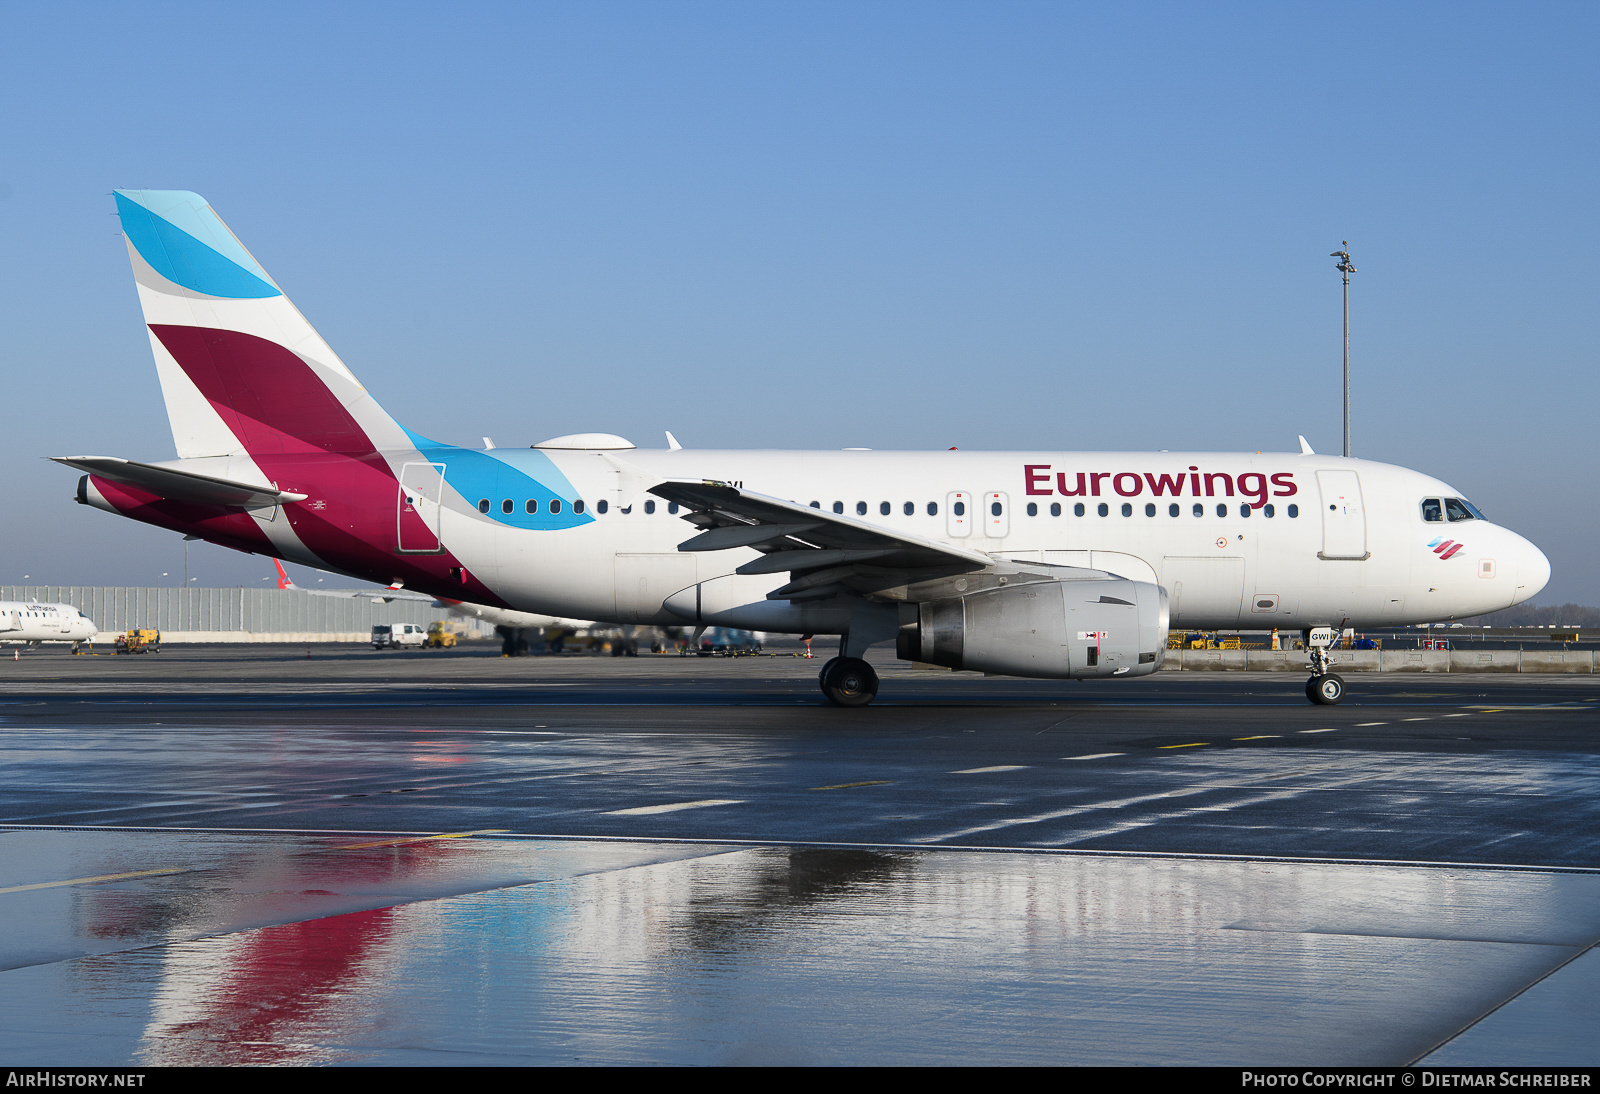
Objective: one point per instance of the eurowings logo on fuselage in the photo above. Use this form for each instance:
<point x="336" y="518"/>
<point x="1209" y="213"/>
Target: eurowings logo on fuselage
<point x="1258" y="486"/>
<point x="1444" y="548"/>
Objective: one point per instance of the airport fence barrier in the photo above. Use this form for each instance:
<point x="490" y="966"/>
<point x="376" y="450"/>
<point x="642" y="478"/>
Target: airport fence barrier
<point x="238" y="615"/>
<point x="1346" y="661"/>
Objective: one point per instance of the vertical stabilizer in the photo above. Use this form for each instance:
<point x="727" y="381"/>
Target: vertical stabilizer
<point x="241" y="370"/>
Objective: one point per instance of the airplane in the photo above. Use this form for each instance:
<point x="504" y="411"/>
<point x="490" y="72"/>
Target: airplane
<point x="512" y="626"/>
<point x="27" y="621"/>
<point x="1042" y="564"/>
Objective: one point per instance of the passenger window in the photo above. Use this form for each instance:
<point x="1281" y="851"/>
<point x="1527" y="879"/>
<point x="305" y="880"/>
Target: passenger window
<point x="861" y="508"/>
<point x="1127" y="509"/>
<point x="838" y="507"/>
<point x="649" y="507"/>
<point x="1077" y="510"/>
<point x="1432" y="510"/>
<point x="1456" y="509"/>
<point x="1244" y="510"/>
<point x="1173" y="510"/>
<point x="816" y="505"/>
<point x="532" y="506"/>
<point x="555" y="505"/>
<point x="506" y="506"/>
<point x="1149" y="509"/>
<point x="672" y="507"/>
<point x="483" y="505"/>
<point x="1222" y="510"/>
<point x="911" y="508"/>
<point x="1033" y="509"/>
<point x="933" y="508"/>
<point x="883" y="508"/>
<point x="961" y="508"/>
<point x="577" y="506"/>
<point x="1293" y="511"/>
<point x="994" y="509"/>
<point x="1268" y="509"/>
<point x="601" y="506"/>
<point x="1104" y="510"/>
<point x="1199" y="510"/>
<point x="1055" y="509"/>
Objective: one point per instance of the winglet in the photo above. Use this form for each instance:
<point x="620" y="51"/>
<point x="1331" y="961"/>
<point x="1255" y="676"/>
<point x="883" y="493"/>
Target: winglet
<point x="283" y="576"/>
<point x="1305" y="448"/>
<point x="672" y="443"/>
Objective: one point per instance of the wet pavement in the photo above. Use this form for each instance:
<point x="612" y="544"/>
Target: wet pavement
<point x="221" y="858"/>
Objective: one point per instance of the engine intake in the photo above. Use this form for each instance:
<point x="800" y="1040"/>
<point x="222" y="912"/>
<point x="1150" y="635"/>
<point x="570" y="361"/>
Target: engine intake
<point x="1053" y="629"/>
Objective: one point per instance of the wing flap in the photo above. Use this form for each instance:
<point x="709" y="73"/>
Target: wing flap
<point x="826" y="554"/>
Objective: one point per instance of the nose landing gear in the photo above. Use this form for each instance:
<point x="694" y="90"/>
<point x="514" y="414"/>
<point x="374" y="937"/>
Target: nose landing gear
<point x="1325" y="688"/>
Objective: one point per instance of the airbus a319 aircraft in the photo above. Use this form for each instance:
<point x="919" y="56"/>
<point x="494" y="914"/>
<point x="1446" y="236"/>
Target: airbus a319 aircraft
<point x="1042" y="564"/>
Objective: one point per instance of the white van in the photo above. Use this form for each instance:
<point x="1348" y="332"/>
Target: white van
<point x="387" y="636"/>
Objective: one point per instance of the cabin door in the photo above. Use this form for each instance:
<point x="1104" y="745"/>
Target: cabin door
<point x="1344" y="520"/>
<point x="418" y="509"/>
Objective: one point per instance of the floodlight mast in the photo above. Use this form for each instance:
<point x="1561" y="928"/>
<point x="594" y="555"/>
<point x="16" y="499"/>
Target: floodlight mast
<point x="1347" y="269"/>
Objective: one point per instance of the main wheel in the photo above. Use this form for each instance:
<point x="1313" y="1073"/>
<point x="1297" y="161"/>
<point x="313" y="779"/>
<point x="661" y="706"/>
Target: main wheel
<point x="822" y="673"/>
<point x="849" y="682"/>
<point x="1325" y="690"/>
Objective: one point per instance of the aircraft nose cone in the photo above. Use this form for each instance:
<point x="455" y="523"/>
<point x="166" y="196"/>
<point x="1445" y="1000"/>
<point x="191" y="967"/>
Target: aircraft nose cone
<point x="1533" y="572"/>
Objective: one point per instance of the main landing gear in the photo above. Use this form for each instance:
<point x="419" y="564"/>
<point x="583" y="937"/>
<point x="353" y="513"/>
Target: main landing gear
<point x="848" y="681"/>
<point x="1325" y="688"/>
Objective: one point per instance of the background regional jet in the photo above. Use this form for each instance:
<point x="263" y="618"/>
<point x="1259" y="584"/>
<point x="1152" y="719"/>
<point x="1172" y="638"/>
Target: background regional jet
<point x="1045" y="564"/>
<point x="26" y="621"/>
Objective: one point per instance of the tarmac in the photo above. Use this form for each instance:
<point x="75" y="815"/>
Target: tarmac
<point x="231" y="855"/>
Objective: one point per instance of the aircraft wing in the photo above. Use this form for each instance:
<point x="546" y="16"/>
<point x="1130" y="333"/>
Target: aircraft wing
<point x="826" y="553"/>
<point x="375" y="595"/>
<point x="178" y="485"/>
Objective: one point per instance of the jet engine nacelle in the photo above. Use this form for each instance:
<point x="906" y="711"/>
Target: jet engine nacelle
<point x="1108" y="626"/>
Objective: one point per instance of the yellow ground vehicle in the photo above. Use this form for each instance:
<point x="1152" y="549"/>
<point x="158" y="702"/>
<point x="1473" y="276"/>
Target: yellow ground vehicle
<point x="139" y="641"/>
<point x="441" y="636"/>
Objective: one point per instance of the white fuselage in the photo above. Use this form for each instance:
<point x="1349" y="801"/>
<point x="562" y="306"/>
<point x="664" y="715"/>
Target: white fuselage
<point x="1325" y="540"/>
<point x="26" y="621"/>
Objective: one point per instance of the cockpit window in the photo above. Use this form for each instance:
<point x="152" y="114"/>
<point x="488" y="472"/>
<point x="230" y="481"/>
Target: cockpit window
<point x="1461" y="509"/>
<point x="1432" y="509"/>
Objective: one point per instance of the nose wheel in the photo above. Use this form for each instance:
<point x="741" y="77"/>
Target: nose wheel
<point x="848" y="682"/>
<point x="1325" y="690"/>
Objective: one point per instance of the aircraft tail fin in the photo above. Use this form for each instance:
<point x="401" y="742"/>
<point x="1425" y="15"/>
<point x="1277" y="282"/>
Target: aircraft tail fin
<point x="283" y="576"/>
<point x="241" y="370"/>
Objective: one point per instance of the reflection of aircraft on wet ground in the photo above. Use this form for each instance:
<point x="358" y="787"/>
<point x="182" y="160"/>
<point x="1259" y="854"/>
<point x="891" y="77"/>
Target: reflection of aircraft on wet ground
<point x="1046" y="564"/>
<point x="517" y="630"/>
<point x="26" y="621"/>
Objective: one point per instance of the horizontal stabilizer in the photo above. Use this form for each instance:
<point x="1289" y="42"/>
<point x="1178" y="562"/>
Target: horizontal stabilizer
<point x="176" y="485"/>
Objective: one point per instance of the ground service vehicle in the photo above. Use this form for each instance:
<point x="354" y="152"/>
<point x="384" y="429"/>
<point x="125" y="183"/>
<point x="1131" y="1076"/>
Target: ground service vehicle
<point x="139" y="641"/>
<point x="394" y="636"/>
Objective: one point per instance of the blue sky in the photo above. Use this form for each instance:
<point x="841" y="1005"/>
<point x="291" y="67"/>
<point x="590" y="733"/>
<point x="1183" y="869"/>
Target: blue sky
<point x="893" y="225"/>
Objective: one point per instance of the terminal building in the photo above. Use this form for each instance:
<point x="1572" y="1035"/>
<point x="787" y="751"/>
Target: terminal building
<point x="239" y="615"/>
